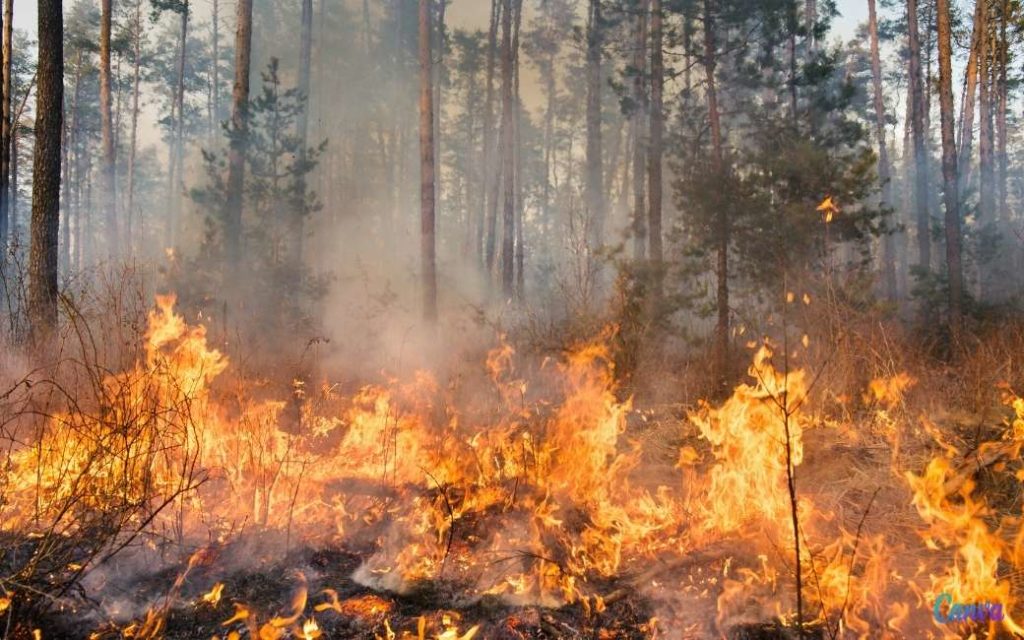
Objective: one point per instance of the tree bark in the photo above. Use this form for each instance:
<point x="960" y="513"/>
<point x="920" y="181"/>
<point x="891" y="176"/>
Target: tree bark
<point x="986" y="194"/>
<point x="46" y="170"/>
<point x="215" y="43"/>
<point x="639" y="148"/>
<point x="517" y="156"/>
<point x="1002" y="89"/>
<point x="507" y="152"/>
<point x="951" y="191"/>
<point x="550" y="94"/>
<point x="919" y="133"/>
<point x="986" y="211"/>
<point x="297" y="231"/>
<point x="595" y="197"/>
<point x="239" y="137"/>
<point x="884" y="169"/>
<point x="176" y="180"/>
<point x="109" y="196"/>
<point x="722" y="231"/>
<point x="967" y="108"/>
<point x="133" y="143"/>
<point x="654" y="168"/>
<point x="71" y="170"/>
<point x="491" y="180"/>
<point x="437" y="72"/>
<point x="427" y="178"/>
<point x="6" y="128"/>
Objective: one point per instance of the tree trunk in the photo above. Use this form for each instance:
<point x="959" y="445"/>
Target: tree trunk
<point x="950" y="190"/>
<point x="109" y="196"/>
<point x="721" y="354"/>
<point x="492" y="152"/>
<point x="6" y="128"/>
<point x="427" y="178"/>
<point x="296" y="234"/>
<point x="657" y="133"/>
<point x="966" y="133"/>
<point x="517" y="155"/>
<point x="595" y="199"/>
<point x="177" y="178"/>
<point x="550" y="94"/>
<point x="71" y="169"/>
<point x="967" y="107"/>
<point x="986" y="195"/>
<point x="986" y="155"/>
<point x="884" y="170"/>
<point x="1002" y="160"/>
<point x="134" y="141"/>
<point x="13" y="232"/>
<point x="46" y="170"/>
<point x="639" y="148"/>
<point x="437" y="73"/>
<point x="215" y="44"/>
<point x="792" y="25"/>
<point x="919" y="133"/>
<point x="507" y="153"/>
<point x="239" y="139"/>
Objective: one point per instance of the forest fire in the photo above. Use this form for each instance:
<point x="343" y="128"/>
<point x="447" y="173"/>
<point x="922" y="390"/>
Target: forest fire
<point x="511" y="320"/>
<point x="525" y="500"/>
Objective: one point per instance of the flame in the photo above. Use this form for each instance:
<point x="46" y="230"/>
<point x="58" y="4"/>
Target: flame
<point x="214" y="594"/>
<point x="310" y="630"/>
<point x="960" y="525"/>
<point x="747" y="481"/>
<point x="529" y="491"/>
<point x="828" y="209"/>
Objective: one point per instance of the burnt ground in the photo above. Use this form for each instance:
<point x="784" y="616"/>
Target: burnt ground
<point x="267" y="590"/>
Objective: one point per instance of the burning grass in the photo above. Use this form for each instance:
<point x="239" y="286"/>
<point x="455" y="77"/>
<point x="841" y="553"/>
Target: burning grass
<point x="181" y="499"/>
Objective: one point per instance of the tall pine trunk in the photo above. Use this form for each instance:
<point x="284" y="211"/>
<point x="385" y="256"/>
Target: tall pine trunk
<point x="884" y="170"/>
<point x="722" y="230"/>
<point x="1002" y="160"/>
<point x="427" y="178"/>
<point x="950" y="186"/>
<point x="296" y="231"/>
<point x="6" y="129"/>
<point x="492" y="177"/>
<point x="595" y="196"/>
<point x="42" y="297"/>
<point x="133" y="141"/>
<point x="71" y="170"/>
<point x="550" y="95"/>
<point x="176" y="181"/>
<point x="919" y="133"/>
<point x="517" y="155"/>
<point x="109" y="196"/>
<point x="507" y="154"/>
<point x="437" y="73"/>
<point x="966" y="142"/>
<point x="654" y="188"/>
<point x="239" y="137"/>
<point x="215" y="69"/>
<point x="639" y="148"/>
<point x="986" y="154"/>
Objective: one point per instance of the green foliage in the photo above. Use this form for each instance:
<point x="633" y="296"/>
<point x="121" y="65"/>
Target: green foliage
<point x="782" y="159"/>
<point x="277" y="200"/>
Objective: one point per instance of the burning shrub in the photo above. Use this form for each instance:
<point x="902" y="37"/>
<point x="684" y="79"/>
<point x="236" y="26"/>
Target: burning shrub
<point x="98" y="467"/>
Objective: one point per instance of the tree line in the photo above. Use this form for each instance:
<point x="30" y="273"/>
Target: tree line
<point x="677" y="157"/>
